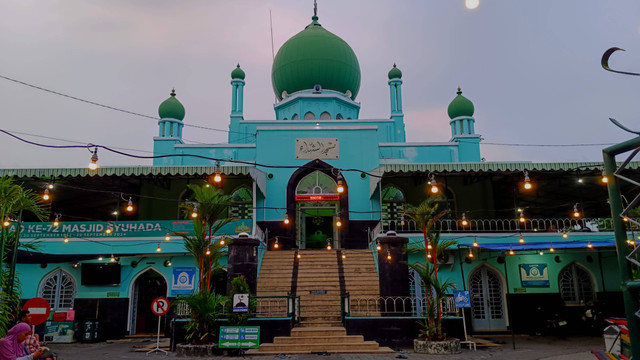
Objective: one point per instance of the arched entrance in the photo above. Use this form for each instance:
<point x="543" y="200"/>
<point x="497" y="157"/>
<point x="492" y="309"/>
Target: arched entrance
<point x="487" y="299"/>
<point x="148" y="285"/>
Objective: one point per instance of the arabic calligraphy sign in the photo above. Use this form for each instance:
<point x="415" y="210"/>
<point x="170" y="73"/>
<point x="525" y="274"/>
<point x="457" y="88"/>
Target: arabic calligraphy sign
<point x="326" y="148"/>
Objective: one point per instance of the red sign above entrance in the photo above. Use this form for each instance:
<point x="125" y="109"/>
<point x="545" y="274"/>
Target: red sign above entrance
<point x="317" y="197"/>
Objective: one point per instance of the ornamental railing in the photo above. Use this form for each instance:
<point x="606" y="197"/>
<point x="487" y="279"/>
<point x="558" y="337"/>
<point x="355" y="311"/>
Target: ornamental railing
<point x="506" y="225"/>
<point x="405" y="306"/>
<point x="286" y="306"/>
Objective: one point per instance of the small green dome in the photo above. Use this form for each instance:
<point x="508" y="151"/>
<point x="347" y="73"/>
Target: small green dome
<point x="237" y="73"/>
<point x="460" y="106"/>
<point x="312" y="57"/>
<point x="395" y="73"/>
<point x="171" y="108"/>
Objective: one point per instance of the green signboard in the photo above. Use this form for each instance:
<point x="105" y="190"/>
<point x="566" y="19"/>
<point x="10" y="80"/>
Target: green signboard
<point x="137" y="229"/>
<point x="239" y="337"/>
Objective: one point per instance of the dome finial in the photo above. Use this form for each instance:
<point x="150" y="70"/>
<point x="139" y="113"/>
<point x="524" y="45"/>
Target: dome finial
<point x="459" y="90"/>
<point x="315" y="11"/>
<point x="173" y="92"/>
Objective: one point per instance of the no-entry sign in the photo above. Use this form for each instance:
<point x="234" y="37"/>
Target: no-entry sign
<point x="160" y="306"/>
<point x="39" y="309"/>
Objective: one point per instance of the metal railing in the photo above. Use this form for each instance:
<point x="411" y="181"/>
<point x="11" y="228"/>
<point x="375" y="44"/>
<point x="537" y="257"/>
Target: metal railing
<point x="406" y="306"/>
<point x="285" y="306"/>
<point x="504" y="225"/>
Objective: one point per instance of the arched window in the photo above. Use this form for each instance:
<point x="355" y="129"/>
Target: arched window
<point x="576" y="285"/>
<point x="285" y="119"/>
<point x="325" y="116"/>
<point x="295" y="117"/>
<point x="59" y="289"/>
<point x="309" y="116"/>
<point x="339" y="117"/>
<point x="316" y="183"/>
<point x="241" y="203"/>
<point x="393" y="206"/>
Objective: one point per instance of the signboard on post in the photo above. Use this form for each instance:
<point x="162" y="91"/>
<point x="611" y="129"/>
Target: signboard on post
<point x="461" y="299"/>
<point x="240" y="303"/>
<point x="39" y="309"/>
<point x="239" y="337"/>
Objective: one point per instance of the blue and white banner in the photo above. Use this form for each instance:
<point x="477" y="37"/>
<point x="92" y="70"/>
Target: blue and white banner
<point x="183" y="281"/>
<point x="534" y="275"/>
<point x="461" y="299"/>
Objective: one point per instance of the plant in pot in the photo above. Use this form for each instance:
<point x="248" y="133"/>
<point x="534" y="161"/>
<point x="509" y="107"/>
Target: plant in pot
<point x="210" y="206"/>
<point x="432" y="338"/>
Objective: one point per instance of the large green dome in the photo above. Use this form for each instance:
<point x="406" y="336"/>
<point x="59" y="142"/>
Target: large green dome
<point x="312" y="57"/>
<point x="460" y="106"/>
<point x="171" y="108"/>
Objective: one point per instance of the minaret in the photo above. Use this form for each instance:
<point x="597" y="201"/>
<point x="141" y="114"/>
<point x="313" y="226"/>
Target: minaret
<point x="395" y="91"/>
<point x="171" y="113"/>
<point x="237" y="96"/>
<point x="462" y="124"/>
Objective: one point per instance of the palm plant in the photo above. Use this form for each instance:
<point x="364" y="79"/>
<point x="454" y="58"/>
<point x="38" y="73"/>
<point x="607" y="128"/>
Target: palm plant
<point x="431" y="325"/>
<point x="206" y="308"/>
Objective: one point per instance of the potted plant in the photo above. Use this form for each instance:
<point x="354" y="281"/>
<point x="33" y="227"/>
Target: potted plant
<point x="432" y="338"/>
<point x="206" y="307"/>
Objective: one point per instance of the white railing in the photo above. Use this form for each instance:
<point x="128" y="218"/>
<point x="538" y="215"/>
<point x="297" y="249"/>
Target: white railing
<point x="394" y="306"/>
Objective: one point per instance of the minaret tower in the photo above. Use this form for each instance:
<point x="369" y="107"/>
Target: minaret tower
<point x="395" y="91"/>
<point x="171" y="113"/>
<point x="462" y="124"/>
<point x="237" y="102"/>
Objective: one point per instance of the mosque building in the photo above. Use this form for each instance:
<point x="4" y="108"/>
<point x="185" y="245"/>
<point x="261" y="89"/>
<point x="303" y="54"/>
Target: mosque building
<point x="341" y="183"/>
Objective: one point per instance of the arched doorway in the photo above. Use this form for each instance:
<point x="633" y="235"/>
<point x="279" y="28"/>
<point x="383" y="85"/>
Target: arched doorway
<point x="148" y="285"/>
<point x="487" y="299"/>
<point x="317" y="209"/>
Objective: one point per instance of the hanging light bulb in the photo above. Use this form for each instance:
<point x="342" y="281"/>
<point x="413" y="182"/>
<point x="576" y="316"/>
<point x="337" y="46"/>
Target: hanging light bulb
<point x="551" y="249"/>
<point x="6" y="222"/>
<point x="589" y="245"/>
<point x="378" y="247"/>
<point x="66" y="238"/>
<point x="338" y="222"/>
<point x="208" y="252"/>
<point x="275" y="244"/>
<point x="580" y="180"/>
<point x="429" y="247"/>
<point x="93" y="165"/>
<point x="222" y="242"/>
<point x="167" y="237"/>
<point x="475" y="243"/>
<point x="75" y="265"/>
<point x="434" y="184"/>
<point x="344" y="256"/>
<point x="45" y="195"/>
<point x="112" y="259"/>
<point x="521" y="240"/>
<point x="217" y="176"/>
<point x="402" y="222"/>
<point x="329" y="247"/>
<point x="158" y="249"/>
<point x="298" y="256"/>
<point x="109" y="230"/>
<point x="541" y="252"/>
<point x="464" y="220"/>
<point x="286" y="219"/>
<point x="340" y="187"/>
<point x="388" y="255"/>
<point x="50" y="185"/>
<point x="100" y="258"/>
<point x="194" y="213"/>
<point x="511" y="252"/>
<point x="605" y="179"/>
<point x="527" y="181"/>
<point x="56" y="221"/>
<point x="625" y="219"/>
<point x="565" y="234"/>
<point x="522" y="219"/>
<point x="576" y="213"/>
<point x="115" y="213"/>
<point x="130" y="205"/>
<point x="428" y="254"/>
<point x="470" y="255"/>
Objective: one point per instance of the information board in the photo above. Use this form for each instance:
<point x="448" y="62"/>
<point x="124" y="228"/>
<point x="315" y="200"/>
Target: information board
<point x="239" y="337"/>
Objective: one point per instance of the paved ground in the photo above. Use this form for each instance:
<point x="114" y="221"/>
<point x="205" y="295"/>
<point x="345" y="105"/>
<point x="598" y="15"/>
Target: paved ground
<point x="527" y="348"/>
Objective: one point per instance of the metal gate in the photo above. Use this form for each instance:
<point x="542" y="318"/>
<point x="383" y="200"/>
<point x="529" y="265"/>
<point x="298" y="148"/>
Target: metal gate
<point x="487" y="305"/>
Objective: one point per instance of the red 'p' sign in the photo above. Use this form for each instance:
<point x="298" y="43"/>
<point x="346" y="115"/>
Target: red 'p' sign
<point x="160" y="306"/>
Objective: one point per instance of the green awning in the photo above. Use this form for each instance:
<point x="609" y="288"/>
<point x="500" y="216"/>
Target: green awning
<point x="124" y="171"/>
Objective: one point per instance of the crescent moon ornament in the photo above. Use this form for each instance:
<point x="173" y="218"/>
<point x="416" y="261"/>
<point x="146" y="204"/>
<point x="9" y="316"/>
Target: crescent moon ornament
<point x="618" y="124"/>
<point x="605" y="62"/>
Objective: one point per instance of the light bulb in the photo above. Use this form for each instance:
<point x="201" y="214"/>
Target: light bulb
<point x="429" y="246"/>
<point x="65" y="239"/>
<point x="338" y="222"/>
<point x="217" y="177"/>
<point x="50" y="185"/>
<point x="344" y="256"/>
<point x="46" y="196"/>
<point x="511" y="252"/>
<point x="286" y="219"/>
<point x="208" y="252"/>
<point x="109" y="230"/>
<point x="605" y="179"/>
<point x="100" y="258"/>
<point x="56" y="223"/>
<point x="551" y="249"/>
<point x="115" y="213"/>
<point x="464" y="220"/>
<point x="93" y="165"/>
<point x="565" y="235"/>
<point x="589" y="245"/>
<point x="470" y="253"/>
<point x="625" y="219"/>
<point x="167" y="237"/>
<point x="576" y="213"/>
<point x="112" y="259"/>
<point x="6" y="222"/>
<point x="378" y="247"/>
<point x="329" y="247"/>
<point x="194" y="214"/>
<point x="434" y="189"/>
<point x="222" y="242"/>
<point x="298" y="255"/>
<point x="130" y="205"/>
<point x="276" y="245"/>
<point x="340" y="187"/>
<point x="475" y="243"/>
<point x="580" y="180"/>
<point x="521" y="240"/>
<point x="75" y="265"/>
<point x="388" y="255"/>
<point x="522" y="219"/>
<point x="527" y="185"/>
<point x="158" y="249"/>
<point x="402" y="220"/>
<point x="429" y="254"/>
<point x="541" y="252"/>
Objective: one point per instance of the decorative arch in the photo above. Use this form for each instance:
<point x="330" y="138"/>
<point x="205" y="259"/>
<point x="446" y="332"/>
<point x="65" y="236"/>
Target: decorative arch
<point x="131" y="290"/>
<point x="309" y="116"/>
<point x="488" y="310"/>
<point x="241" y="206"/>
<point x="339" y="116"/>
<point x="59" y="288"/>
<point x="297" y="176"/>
<point x="325" y="116"/>
<point x="295" y="117"/>
<point x="393" y="205"/>
<point x="576" y="284"/>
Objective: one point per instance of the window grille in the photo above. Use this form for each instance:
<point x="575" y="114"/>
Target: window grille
<point x="59" y="289"/>
<point x="241" y="203"/>
<point x="576" y="285"/>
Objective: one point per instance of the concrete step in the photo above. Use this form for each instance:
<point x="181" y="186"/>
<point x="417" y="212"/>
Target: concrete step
<point x="286" y="348"/>
<point x="322" y="339"/>
<point x="319" y="324"/>
<point x="380" y="350"/>
<point x="323" y="318"/>
<point x="318" y="331"/>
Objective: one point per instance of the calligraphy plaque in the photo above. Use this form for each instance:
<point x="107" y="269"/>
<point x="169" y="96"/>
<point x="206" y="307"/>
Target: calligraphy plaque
<point x="326" y="148"/>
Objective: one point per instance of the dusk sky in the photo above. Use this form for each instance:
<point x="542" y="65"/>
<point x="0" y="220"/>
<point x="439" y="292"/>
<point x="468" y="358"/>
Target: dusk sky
<point x="531" y="68"/>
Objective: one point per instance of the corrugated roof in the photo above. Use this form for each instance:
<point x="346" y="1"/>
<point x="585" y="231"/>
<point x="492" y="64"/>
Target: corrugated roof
<point x="125" y="171"/>
<point x="497" y="166"/>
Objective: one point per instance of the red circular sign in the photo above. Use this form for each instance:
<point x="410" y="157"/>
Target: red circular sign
<point x="39" y="309"/>
<point x="160" y="306"/>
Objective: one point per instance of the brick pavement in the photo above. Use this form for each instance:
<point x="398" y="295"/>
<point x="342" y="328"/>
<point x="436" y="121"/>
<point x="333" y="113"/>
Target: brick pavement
<point x="527" y="348"/>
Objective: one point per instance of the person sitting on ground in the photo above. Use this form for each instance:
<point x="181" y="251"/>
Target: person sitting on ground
<point x="32" y="343"/>
<point x="11" y="347"/>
